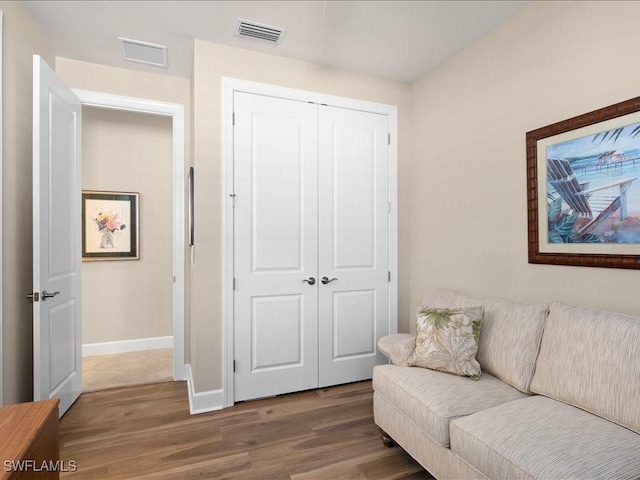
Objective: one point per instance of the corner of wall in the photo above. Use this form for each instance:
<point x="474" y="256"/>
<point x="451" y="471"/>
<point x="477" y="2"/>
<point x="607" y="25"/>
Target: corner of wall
<point x="202" y="402"/>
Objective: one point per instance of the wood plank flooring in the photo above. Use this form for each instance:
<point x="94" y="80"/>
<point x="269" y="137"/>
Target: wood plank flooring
<point x="146" y="432"/>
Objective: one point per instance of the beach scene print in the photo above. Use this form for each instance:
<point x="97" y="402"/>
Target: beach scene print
<point x="593" y="188"/>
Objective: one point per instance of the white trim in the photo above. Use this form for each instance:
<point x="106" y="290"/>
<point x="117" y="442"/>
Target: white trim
<point x="124" y="346"/>
<point x="227" y="243"/>
<point x="203" y="402"/>
<point x="393" y="221"/>
<point x="176" y="111"/>
<point x="236" y="85"/>
<point x="231" y="85"/>
<point x="1" y="262"/>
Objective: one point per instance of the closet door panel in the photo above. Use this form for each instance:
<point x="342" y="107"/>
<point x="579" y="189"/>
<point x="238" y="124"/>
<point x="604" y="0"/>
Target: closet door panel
<point x="353" y="196"/>
<point x="275" y="246"/>
<point x="354" y="317"/>
<point x="353" y="219"/>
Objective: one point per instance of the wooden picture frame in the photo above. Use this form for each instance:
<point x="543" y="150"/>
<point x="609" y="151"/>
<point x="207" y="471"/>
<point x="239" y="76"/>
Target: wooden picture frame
<point x="583" y="189"/>
<point x="110" y="228"/>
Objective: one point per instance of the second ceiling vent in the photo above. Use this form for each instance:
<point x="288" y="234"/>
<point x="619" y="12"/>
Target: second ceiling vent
<point x="268" y="33"/>
<point x="144" y="52"/>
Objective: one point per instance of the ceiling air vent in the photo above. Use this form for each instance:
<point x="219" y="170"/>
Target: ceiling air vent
<point x="143" y="52"/>
<point x="268" y="33"/>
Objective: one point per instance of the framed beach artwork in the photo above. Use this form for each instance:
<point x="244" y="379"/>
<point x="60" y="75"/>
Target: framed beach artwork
<point x="110" y="226"/>
<point x="583" y="189"/>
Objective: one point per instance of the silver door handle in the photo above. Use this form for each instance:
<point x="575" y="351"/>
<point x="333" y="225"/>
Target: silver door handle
<point x="310" y="280"/>
<point x="326" y="280"/>
<point x="46" y="295"/>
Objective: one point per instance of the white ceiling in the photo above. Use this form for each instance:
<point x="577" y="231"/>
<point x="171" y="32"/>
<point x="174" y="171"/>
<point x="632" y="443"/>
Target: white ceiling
<point x="400" y="40"/>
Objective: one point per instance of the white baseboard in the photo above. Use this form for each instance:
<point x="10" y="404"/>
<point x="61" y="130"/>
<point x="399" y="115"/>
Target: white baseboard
<point x="179" y="370"/>
<point x="106" y="348"/>
<point x="203" y="402"/>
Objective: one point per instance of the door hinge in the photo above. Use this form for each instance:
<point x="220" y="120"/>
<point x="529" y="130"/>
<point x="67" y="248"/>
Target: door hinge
<point x="234" y="366"/>
<point x="389" y="277"/>
<point x="233" y="200"/>
<point x="234" y="283"/>
<point x="388" y="138"/>
<point x="233" y="118"/>
<point x="35" y="296"/>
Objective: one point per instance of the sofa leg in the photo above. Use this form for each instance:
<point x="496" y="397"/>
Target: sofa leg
<point x="387" y="440"/>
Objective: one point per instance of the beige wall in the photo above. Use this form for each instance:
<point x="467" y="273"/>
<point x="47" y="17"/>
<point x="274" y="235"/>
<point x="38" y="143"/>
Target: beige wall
<point x="468" y="180"/>
<point x="132" y="299"/>
<point x="211" y="62"/>
<point x="122" y="81"/>
<point x="133" y="83"/>
<point x="21" y="39"/>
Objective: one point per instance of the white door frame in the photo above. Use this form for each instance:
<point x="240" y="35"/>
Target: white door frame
<point x="231" y="85"/>
<point x="176" y="112"/>
<point x="1" y="115"/>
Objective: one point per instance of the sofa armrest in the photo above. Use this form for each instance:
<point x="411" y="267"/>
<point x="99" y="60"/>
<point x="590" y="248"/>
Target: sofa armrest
<point x="398" y="347"/>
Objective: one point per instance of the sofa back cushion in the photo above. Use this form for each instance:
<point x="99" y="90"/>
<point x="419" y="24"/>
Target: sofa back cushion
<point x="509" y="335"/>
<point x="591" y="359"/>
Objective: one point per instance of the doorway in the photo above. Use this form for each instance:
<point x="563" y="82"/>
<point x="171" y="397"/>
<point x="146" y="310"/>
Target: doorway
<point x="173" y="222"/>
<point x="127" y="324"/>
<point x="57" y="343"/>
<point x="318" y="187"/>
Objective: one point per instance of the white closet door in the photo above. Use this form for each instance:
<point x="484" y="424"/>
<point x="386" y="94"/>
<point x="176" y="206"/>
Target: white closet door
<point x="353" y="223"/>
<point x="275" y="245"/>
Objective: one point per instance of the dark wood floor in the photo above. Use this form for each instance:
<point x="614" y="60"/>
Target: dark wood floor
<point x="147" y="432"/>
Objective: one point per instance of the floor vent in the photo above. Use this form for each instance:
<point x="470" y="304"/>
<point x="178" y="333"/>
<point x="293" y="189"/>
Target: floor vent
<point x="143" y="52"/>
<point x="268" y="33"/>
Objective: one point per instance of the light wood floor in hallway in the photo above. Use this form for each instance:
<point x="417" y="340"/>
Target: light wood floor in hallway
<point x="147" y="432"/>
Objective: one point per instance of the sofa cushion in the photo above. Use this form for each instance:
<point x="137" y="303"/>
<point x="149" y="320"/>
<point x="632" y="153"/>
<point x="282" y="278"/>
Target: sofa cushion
<point x="397" y="347"/>
<point x="510" y="336"/>
<point x="431" y="398"/>
<point x="538" y="437"/>
<point x="591" y="359"/>
<point x="447" y="340"/>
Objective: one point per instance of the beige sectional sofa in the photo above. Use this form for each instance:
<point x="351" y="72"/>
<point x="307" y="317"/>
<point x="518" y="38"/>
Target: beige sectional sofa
<point x="558" y="398"/>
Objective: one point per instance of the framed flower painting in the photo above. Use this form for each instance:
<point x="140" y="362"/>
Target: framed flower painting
<point x="110" y="228"/>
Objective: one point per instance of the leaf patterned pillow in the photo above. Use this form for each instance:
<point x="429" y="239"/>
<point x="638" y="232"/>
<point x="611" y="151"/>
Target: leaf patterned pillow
<point x="447" y="340"/>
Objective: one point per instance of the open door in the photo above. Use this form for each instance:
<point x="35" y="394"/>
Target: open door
<point x="57" y="312"/>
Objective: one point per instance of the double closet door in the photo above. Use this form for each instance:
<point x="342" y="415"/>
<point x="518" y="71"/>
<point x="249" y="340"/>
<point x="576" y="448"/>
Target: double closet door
<point x="311" y="244"/>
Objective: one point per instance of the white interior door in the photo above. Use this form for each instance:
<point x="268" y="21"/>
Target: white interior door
<point x="353" y="251"/>
<point x="57" y="340"/>
<point x="275" y="246"/>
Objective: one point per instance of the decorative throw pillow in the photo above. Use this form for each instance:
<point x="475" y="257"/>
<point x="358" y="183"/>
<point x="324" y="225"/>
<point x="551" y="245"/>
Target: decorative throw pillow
<point x="447" y="340"/>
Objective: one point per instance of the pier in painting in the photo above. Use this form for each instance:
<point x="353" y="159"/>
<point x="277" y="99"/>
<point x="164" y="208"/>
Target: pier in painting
<point x="593" y="189"/>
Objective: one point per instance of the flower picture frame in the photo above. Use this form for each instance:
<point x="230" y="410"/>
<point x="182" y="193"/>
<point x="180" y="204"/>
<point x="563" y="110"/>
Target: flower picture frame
<point x="110" y="229"/>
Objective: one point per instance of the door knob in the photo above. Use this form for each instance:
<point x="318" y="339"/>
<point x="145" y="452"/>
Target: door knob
<point x="310" y="280"/>
<point x="46" y="295"/>
<point x="326" y="280"/>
